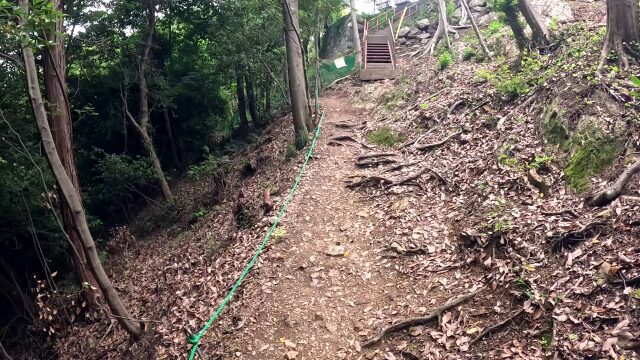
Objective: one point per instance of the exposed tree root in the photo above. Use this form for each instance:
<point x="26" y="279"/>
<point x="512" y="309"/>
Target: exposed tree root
<point x="368" y="181"/>
<point x="452" y="109"/>
<point x="374" y="162"/>
<point x="630" y="345"/>
<point x="626" y="282"/>
<point x="371" y="156"/>
<point x="560" y="212"/>
<point x="340" y="138"/>
<point x="496" y="327"/>
<point x="439" y="143"/>
<point x="401" y="166"/>
<point x="608" y="195"/>
<point x="577" y="236"/>
<point x="434" y="316"/>
<point x="514" y="111"/>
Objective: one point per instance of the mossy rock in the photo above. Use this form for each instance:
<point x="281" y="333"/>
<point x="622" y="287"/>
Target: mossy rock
<point x="591" y="158"/>
<point x="554" y="127"/>
<point x="385" y="137"/>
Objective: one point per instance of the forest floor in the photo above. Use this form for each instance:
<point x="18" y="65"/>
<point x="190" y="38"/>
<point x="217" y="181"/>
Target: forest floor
<point x="376" y="235"/>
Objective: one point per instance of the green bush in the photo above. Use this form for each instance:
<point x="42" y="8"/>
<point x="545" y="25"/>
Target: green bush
<point x="469" y="53"/>
<point x="495" y="27"/>
<point x="207" y="167"/>
<point x="445" y="60"/>
<point x="513" y="87"/>
<point x="385" y="137"/>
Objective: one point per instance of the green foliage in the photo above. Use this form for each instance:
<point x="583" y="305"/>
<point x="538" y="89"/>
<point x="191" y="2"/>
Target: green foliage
<point x="385" y="137"/>
<point x="200" y="213"/>
<point x="423" y="106"/>
<point x="445" y="59"/>
<point x="495" y="27"/>
<point x="469" y="53"/>
<point x="451" y="8"/>
<point x="540" y="161"/>
<point x="206" y="168"/>
<point x="513" y="87"/>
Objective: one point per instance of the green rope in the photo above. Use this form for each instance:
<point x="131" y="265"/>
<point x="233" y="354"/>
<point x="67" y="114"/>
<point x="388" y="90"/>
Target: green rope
<point x="195" y="339"/>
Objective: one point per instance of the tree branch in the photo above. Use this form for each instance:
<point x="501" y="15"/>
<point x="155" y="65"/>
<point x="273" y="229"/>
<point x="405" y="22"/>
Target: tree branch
<point x="12" y="59"/>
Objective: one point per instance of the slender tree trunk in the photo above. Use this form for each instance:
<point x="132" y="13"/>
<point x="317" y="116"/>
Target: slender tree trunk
<point x="175" y="153"/>
<point x="539" y="29"/>
<point x="143" y="126"/>
<point x="356" y="35"/>
<point x="297" y="87"/>
<point x="251" y="97"/>
<point x="441" y="31"/>
<point x="267" y="100"/>
<point x="445" y="21"/>
<point x="483" y="45"/>
<point x="242" y="101"/>
<point x="71" y="194"/>
<point x="55" y="85"/>
<point x="512" y="19"/>
<point x="622" y="32"/>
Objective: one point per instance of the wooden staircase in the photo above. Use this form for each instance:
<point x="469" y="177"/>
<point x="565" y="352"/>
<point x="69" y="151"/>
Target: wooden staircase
<point x="379" y="52"/>
<point x="379" y="43"/>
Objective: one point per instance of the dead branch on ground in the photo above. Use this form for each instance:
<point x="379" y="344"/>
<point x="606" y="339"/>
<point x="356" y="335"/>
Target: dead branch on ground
<point x="576" y="236"/>
<point x="496" y="327"/>
<point x="4" y="352"/>
<point x="368" y="181"/>
<point x="439" y="143"/>
<point x="518" y="108"/>
<point x="401" y="166"/>
<point x="560" y="212"/>
<point x="606" y="196"/>
<point x="434" y="316"/>
<point x="452" y="109"/>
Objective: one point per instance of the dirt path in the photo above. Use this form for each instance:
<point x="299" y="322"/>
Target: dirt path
<point x="315" y="301"/>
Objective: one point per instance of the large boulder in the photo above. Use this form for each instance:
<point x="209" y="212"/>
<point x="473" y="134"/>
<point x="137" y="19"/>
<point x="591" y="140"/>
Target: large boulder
<point x="553" y="10"/>
<point x="338" y="38"/>
<point x="413" y="32"/>
<point x="487" y="19"/>
<point x="404" y="31"/>
<point x="423" y="24"/>
<point x="457" y="15"/>
<point x="477" y="3"/>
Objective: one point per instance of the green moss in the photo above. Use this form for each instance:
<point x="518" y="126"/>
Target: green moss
<point x="554" y="130"/>
<point x="590" y="158"/>
<point x="385" y="137"/>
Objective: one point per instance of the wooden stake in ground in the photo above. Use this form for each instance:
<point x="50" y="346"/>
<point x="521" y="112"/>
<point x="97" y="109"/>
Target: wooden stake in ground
<point x="483" y="45"/>
<point x="71" y="194"/>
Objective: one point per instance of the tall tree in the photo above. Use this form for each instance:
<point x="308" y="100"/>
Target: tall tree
<point x="622" y="31"/>
<point x="540" y="32"/>
<point x="242" y="100"/>
<point x="70" y="193"/>
<point x="142" y="125"/>
<point x="55" y="86"/>
<point x="295" y="62"/>
<point x="356" y="36"/>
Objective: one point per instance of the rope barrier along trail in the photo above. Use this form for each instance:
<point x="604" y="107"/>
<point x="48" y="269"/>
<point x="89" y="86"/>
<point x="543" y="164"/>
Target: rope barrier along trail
<point x="194" y="339"/>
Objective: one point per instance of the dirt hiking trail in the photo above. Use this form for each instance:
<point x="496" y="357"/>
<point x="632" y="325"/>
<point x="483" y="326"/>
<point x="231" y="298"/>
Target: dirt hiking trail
<point x="323" y="276"/>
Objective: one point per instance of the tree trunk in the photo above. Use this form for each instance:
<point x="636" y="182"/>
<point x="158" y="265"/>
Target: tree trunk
<point x="356" y="35"/>
<point x="512" y="19"/>
<point x="295" y="63"/>
<point x="539" y="29"/>
<point x="175" y="153"/>
<point x="622" y="32"/>
<point x="483" y="45"/>
<point x="267" y="100"/>
<point x="71" y="194"/>
<point x="251" y="97"/>
<point x="242" y="101"/>
<point x="55" y="85"/>
<point x="441" y="31"/>
<point x="143" y="126"/>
